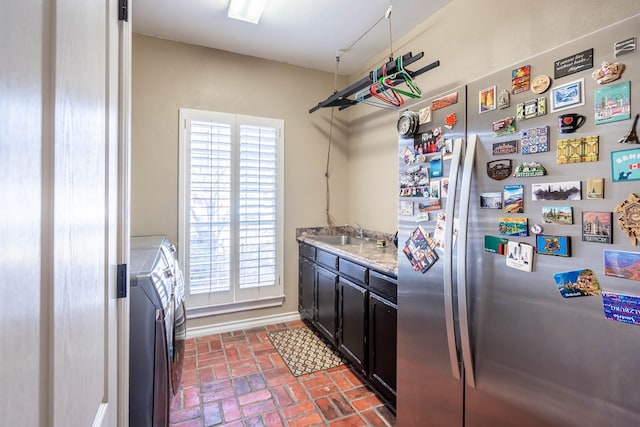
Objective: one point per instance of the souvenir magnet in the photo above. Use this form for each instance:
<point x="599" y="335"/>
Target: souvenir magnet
<point x="499" y="169"/>
<point x="597" y="227"/>
<point x="535" y="140"/>
<point x="407" y="123"/>
<point x="504" y="99"/>
<point x="621" y="308"/>
<point x="530" y="109"/>
<point x="487" y="99"/>
<point x="491" y="200"/>
<point x="612" y="103"/>
<point x="504" y="126"/>
<point x="629" y="220"/>
<point x="445" y="101"/>
<point x="529" y="169"/>
<point x="623" y="264"/>
<point x="562" y="215"/>
<point x="513" y="226"/>
<point x="506" y="147"/>
<point x="520" y="79"/>
<point x="424" y="115"/>
<point x="553" y="245"/>
<point x="495" y="245"/>
<point x="573" y="64"/>
<point x="608" y="72"/>
<point x="577" y="283"/>
<point x="450" y="120"/>
<point x="624" y="46"/>
<point x="520" y="256"/>
<point x="625" y="165"/>
<point x="578" y="150"/>
<point x="540" y="84"/>
<point x="567" y="190"/>
<point x="595" y="188"/>
<point x="570" y="122"/>
<point x="513" y="198"/>
<point x="536" y="229"/>
<point x="632" y="136"/>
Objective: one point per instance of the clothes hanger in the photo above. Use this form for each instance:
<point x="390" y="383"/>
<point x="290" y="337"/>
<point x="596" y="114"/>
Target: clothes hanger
<point x="401" y="76"/>
<point x="378" y="95"/>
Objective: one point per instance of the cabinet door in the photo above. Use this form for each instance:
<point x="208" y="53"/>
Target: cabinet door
<point x="306" y="289"/>
<point x="352" y="315"/>
<point x="326" y="303"/>
<point x="382" y="346"/>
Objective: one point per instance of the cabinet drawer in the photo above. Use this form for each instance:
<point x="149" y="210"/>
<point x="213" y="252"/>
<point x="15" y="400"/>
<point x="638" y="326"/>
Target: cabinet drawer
<point x="327" y="259"/>
<point x="307" y="251"/>
<point x="353" y="270"/>
<point x="384" y="285"/>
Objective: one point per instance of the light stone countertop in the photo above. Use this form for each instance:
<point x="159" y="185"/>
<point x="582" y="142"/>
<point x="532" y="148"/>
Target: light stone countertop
<point x="384" y="260"/>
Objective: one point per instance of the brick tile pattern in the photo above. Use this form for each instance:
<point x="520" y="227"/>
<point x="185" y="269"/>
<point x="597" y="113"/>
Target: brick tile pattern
<point x="237" y="379"/>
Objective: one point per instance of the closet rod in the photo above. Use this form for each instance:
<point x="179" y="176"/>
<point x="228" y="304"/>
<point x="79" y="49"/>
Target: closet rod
<point x="340" y="99"/>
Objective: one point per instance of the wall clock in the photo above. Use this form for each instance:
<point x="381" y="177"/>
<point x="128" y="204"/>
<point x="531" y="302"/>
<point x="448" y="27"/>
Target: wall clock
<point x="408" y="123"/>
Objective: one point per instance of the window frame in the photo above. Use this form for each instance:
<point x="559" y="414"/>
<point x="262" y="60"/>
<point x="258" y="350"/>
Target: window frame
<point x="236" y="299"/>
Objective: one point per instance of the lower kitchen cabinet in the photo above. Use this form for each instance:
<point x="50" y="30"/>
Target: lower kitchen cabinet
<point x="354" y="307"/>
<point x="306" y="289"/>
<point x="326" y="303"/>
<point x="352" y="315"/>
<point x="382" y="346"/>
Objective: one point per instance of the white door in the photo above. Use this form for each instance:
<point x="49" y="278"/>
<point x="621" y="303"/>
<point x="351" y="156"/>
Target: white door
<point x="59" y="224"/>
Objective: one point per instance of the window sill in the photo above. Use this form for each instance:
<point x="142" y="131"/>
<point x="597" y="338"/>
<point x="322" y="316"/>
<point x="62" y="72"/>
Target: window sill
<point x="212" y="310"/>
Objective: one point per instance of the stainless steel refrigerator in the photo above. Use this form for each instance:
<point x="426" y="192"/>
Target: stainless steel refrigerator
<point x="483" y="343"/>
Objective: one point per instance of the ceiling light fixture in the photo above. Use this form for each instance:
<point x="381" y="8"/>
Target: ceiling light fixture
<point x="246" y="10"/>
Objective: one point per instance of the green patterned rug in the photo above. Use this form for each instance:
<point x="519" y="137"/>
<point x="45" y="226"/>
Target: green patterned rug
<point x="303" y="351"/>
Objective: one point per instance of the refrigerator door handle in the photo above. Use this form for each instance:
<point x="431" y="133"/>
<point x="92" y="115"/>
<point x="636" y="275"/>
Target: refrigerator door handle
<point x="463" y="307"/>
<point x="448" y="258"/>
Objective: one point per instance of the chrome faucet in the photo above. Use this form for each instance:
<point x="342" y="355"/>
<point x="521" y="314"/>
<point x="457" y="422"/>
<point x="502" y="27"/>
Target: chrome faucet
<point x="360" y="230"/>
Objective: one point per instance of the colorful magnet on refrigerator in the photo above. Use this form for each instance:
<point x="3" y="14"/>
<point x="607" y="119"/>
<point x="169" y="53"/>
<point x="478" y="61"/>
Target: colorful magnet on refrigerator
<point x="450" y="120"/>
<point x="424" y="115"/>
<point x="529" y="169"/>
<point x="520" y="79"/>
<point x="632" y="136"/>
<point x="435" y="167"/>
<point x="513" y="197"/>
<point x="621" y="308"/>
<point x="419" y="250"/>
<point x="629" y="220"/>
<point x="520" y="256"/>
<point x="553" y="245"/>
<point x="513" y="226"/>
<point x="608" y="72"/>
<point x="540" y="84"/>
<point x="504" y="99"/>
<point x="495" y="245"/>
<point x="530" y="109"/>
<point x="624" y="47"/>
<point x="505" y="126"/>
<point x="622" y="264"/>
<point x="499" y="169"/>
<point x="536" y="229"/>
<point x="577" y="283"/>
<point x="578" y="150"/>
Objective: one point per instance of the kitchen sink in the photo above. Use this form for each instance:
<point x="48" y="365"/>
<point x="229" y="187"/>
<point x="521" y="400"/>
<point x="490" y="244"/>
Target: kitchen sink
<point x="340" y="240"/>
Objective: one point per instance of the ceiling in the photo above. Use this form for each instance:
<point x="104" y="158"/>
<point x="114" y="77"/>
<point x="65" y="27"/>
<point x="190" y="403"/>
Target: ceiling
<point x="307" y="33"/>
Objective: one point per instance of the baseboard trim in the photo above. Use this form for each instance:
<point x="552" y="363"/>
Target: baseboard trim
<point x="202" y="331"/>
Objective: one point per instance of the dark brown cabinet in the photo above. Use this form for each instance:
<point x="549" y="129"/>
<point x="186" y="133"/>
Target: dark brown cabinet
<point x="326" y="303"/>
<point x="382" y="346"/>
<point x="306" y="291"/>
<point x="352" y="315"/>
<point x="354" y="307"/>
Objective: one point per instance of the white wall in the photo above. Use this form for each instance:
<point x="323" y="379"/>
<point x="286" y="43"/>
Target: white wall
<point x="169" y="75"/>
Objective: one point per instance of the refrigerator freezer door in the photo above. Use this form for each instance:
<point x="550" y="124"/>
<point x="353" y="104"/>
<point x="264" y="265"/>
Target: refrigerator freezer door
<point x="429" y="388"/>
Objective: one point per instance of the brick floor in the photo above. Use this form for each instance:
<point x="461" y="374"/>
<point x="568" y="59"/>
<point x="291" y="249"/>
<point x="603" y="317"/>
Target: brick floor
<point x="238" y="379"/>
